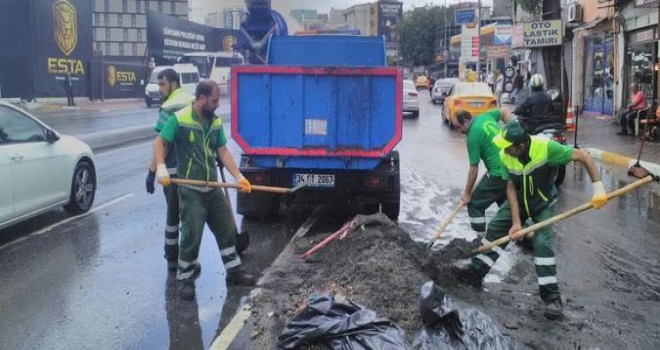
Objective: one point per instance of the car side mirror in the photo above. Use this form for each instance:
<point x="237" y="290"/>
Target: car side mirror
<point x="52" y="136"/>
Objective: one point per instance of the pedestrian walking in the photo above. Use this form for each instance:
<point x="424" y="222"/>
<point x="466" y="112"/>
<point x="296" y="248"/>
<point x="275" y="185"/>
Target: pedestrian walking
<point x="198" y="136"/>
<point x="174" y="99"/>
<point x="530" y="163"/>
<point x="491" y="81"/>
<point x="68" y="90"/>
<point x="499" y="87"/>
<point x="517" y="86"/>
<point x="492" y="187"/>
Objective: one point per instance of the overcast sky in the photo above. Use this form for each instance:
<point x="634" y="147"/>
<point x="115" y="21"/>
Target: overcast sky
<point x="200" y="7"/>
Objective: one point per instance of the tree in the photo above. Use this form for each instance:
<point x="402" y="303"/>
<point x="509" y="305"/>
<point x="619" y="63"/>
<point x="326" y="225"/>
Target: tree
<point x="417" y="34"/>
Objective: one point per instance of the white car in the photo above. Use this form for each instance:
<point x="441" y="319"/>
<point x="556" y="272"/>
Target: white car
<point x="441" y="89"/>
<point x="410" y="98"/>
<point x="40" y="169"/>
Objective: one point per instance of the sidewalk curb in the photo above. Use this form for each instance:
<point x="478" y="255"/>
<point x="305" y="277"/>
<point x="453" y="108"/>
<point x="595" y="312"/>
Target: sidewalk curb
<point x="106" y="139"/>
<point x="621" y="160"/>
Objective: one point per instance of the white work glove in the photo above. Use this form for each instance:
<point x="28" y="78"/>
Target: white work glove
<point x="162" y="175"/>
<point x="599" y="198"/>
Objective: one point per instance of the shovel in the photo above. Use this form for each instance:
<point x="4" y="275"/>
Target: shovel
<point x="562" y="216"/>
<point x="258" y="188"/>
<point x="243" y="238"/>
<point x="442" y="228"/>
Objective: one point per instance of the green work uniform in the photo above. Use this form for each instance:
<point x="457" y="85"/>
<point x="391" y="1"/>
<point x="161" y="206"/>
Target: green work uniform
<point x="492" y="187"/>
<point x="177" y="100"/>
<point x="196" y="146"/>
<point x="536" y="193"/>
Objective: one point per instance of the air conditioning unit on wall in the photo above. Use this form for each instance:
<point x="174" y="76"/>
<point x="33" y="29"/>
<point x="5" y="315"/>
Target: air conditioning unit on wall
<point x="574" y="13"/>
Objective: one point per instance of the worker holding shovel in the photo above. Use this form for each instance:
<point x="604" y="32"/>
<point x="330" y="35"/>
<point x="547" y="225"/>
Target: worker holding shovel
<point x="492" y="187"/>
<point x="530" y="164"/>
<point x="198" y="137"/>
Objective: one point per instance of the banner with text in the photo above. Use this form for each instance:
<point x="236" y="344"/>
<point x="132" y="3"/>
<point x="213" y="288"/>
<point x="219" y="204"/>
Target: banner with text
<point x="499" y="51"/>
<point x="502" y="34"/>
<point x="168" y="38"/>
<point x="389" y="14"/>
<point x="543" y="33"/>
<point x="469" y="44"/>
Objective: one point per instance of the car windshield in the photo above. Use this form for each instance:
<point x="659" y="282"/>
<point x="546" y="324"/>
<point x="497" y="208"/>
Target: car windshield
<point x="408" y="85"/>
<point x="473" y="89"/>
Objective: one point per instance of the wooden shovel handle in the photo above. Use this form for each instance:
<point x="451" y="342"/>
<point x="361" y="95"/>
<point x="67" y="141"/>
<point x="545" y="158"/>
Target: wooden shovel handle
<point x="269" y="189"/>
<point x="442" y="228"/>
<point x="564" y="215"/>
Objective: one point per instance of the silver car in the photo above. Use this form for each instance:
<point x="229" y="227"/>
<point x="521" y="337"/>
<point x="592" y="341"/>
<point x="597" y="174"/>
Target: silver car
<point x="441" y="90"/>
<point x="410" y="98"/>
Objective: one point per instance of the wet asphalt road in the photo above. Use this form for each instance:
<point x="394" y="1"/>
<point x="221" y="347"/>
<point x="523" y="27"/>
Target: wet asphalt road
<point x="100" y="281"/>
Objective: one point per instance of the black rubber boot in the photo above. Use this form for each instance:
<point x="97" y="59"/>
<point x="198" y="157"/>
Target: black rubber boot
<point x="553" y="310"/>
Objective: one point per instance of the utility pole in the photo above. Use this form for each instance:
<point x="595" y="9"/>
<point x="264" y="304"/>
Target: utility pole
<point x="479" y="40"/>
<point x="446" y="47"/>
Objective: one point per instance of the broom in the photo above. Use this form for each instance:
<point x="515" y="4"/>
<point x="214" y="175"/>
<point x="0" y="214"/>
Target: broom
<point x="637" y="170"/>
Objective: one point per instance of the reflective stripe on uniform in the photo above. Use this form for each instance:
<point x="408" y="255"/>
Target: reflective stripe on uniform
<point x="488" y="261"/>
<point x="185" y="275"/>
<point x="171" y="229"/>
<point x="228" y="251"/>
<point x="233" y="263"/>
<point x="184" y="265"/>
<point x="172" y="171"/>
<point x="171" y="241"/>
<point x="497" y="249"/>
<point x="544" y="281"/>
<point x="544" y="261"/>
<point x="478" y="220"/>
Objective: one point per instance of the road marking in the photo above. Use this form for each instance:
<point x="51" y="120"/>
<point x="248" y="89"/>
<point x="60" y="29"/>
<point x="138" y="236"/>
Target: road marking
<point x="224" y="340"/>
<point x="67" y="220"/>
<point x="141" y="145"/>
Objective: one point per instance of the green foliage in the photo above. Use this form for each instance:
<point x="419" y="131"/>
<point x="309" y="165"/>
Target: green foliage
<point x="530" y="6"/>
<point x="417" y="34"/>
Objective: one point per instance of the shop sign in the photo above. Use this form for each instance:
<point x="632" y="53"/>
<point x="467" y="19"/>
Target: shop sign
<point x="498" y="51"/>
<point x="647" y="3"/>
<point x="542" y="33"/>
<point x="469" y="44"/>
<point x="644" y="36"/>
<point x="517" y="36"/>
<point x="503" y="34"/>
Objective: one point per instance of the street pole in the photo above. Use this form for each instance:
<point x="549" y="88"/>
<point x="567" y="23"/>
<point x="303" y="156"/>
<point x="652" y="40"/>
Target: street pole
<point x="479" y="41"/>
<point x="446" y="47"/>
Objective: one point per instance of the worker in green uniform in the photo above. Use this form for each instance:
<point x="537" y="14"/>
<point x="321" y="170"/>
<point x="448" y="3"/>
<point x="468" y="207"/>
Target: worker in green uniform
<point x="530" y="164"/>
<point x="175" y="99"/>
<point x="198" y="137"/>
<point x="492" y="187"/>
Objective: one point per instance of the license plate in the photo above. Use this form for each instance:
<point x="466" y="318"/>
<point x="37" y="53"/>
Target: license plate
<point x="475" y="104"/>
<point x="314" y="180"/>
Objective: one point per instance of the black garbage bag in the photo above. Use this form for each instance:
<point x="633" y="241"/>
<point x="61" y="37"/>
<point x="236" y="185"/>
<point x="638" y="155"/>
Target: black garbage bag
<point x="447" y="328"/>
<point x="341" y="326"/>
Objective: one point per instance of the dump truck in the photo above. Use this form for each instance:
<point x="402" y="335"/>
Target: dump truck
<point x="324" y="111"/>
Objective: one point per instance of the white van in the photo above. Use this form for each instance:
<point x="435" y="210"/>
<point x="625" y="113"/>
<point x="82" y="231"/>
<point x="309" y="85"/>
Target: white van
<point x="215" y="66"/>
<point x="188" y="75"/>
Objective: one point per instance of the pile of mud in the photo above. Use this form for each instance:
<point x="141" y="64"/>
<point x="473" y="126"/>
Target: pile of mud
<point x="378" y="266"/>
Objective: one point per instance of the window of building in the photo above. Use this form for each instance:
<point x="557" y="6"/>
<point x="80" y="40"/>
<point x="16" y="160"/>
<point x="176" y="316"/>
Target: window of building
<point x="146" y="5"/>
<point x="133" y="21"/>
<point x="120" y="20"/>
<point x="135" y="49"/>
<point x="173" y="7"/>
<point x="97" y="19"/>
<point x="106" y="19"/>
<point x="121" y="49"/>
<point x="139" y="35"/>
<point x="94" y="34"/>
<point x="138" y="6"/>
<point x="125" y="34"/>
<point x="107" y="49"/>
<point x="124" y="6"/>
<point x="107" y="33"/>
<point x="160" y="7"/>
<point x="106" y="5"/>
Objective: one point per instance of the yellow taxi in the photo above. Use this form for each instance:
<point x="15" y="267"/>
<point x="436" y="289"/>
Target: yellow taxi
<point x="422" y="83"/>
<point x="475" y="98"/>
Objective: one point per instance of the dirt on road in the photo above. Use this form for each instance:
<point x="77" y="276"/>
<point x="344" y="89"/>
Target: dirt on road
<point x="382" y="268"/>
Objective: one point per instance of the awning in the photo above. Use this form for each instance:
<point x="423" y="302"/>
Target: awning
<point x="590" y="24"/>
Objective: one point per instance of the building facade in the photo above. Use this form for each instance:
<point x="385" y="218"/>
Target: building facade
<point x="359" y="17"/>
<point x="119" y="27"/>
